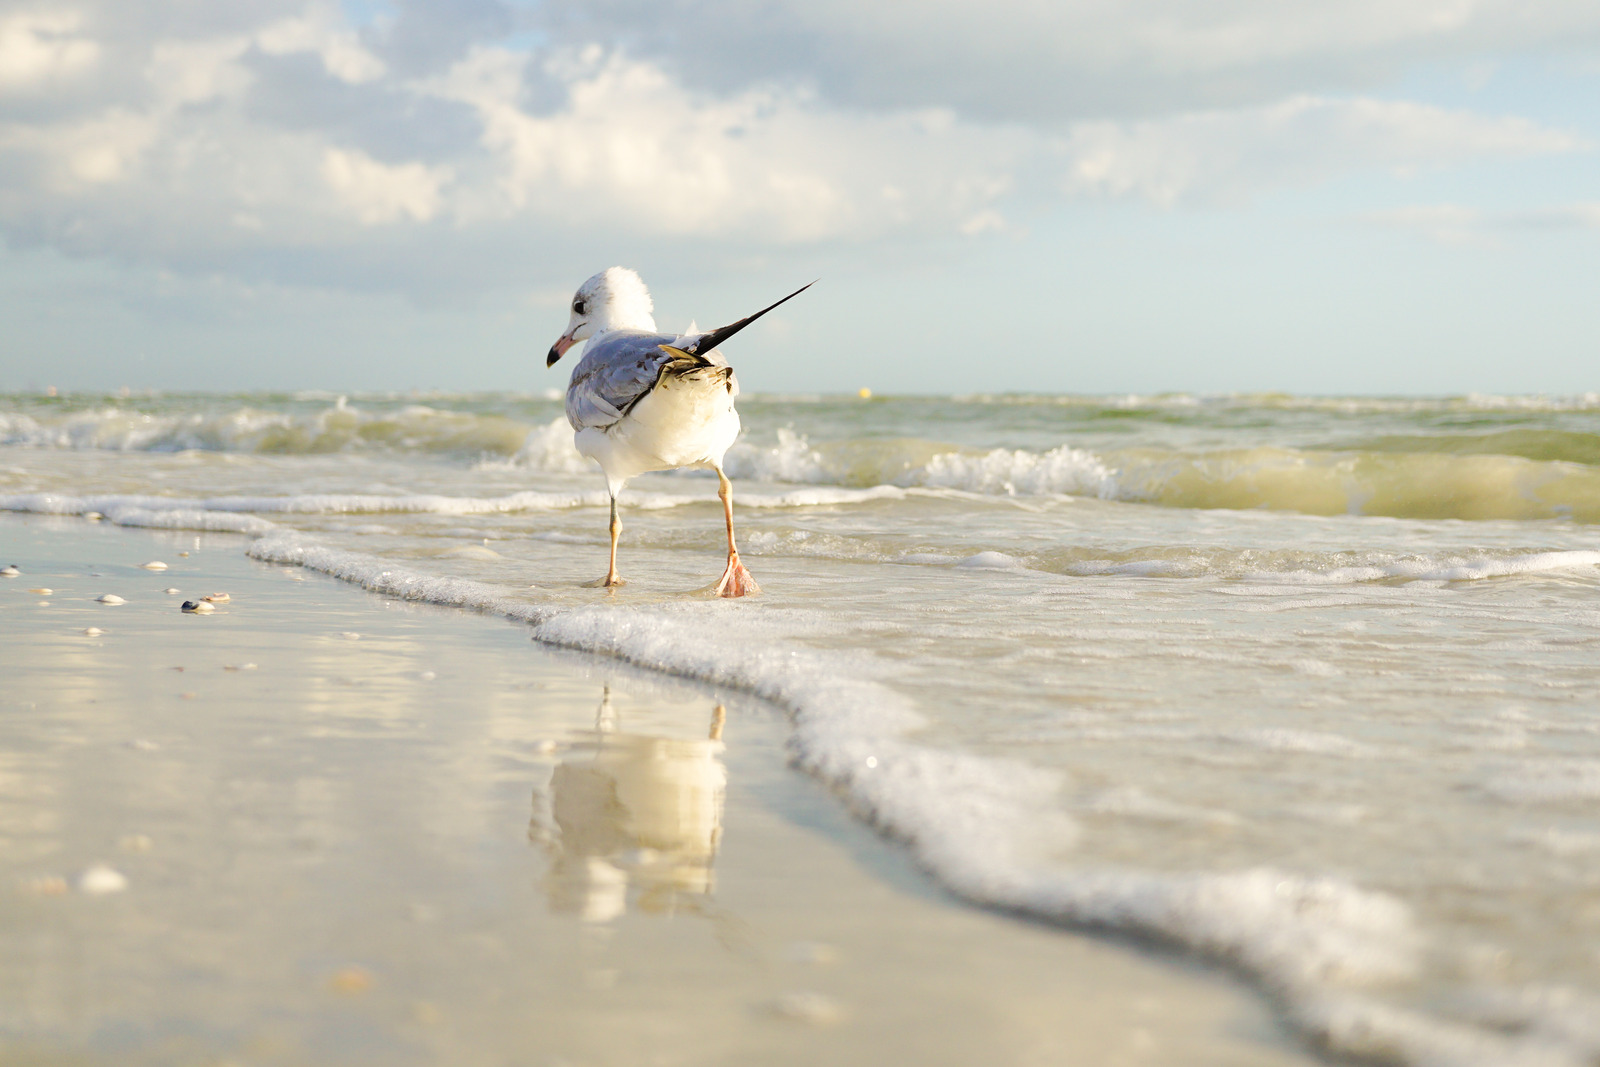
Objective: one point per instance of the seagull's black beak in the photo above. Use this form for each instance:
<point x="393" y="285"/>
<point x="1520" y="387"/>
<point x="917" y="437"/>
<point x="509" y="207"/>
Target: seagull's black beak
<point x="558" y="349"/>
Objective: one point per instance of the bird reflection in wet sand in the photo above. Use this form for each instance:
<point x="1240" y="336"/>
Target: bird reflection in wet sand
<point x="632" y="811"/>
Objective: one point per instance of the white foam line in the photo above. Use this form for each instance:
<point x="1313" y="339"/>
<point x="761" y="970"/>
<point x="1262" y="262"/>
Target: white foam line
<point x="324" y="503"/>
<point x="1432" y="570"/>
<point x="158" y="512"/>
<point x="801" y="498"/>
<point x="360" y="503"/>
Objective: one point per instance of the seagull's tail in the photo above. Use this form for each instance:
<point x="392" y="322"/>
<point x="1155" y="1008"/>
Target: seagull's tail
<point x="706" y="342"/>
<point x="683" y="364"/>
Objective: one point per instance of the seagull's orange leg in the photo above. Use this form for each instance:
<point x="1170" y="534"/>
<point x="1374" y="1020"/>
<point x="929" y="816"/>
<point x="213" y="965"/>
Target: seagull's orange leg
<point x="612" y="579"/>
<point x="736" y="581"/>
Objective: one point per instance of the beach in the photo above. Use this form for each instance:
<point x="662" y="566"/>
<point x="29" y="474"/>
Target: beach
<point x="1297" y="689"/>
<point x="346" y="828"/>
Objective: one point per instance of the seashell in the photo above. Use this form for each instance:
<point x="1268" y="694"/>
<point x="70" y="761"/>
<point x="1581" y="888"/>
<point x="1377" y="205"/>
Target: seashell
<point x="172" y="590"/>
<point x="10" y="570"/>
<point x="154" y="565"/>
<point x="100" y="879"/>
<point x="351" y="981"/>
<point x="41" y="591"/>
<point x="218" y="598"/>
<point x="198" y="607"/>
<point x="46" y="885"/>
<point x="93" y="631"/>
<point x="109" y="598"/>
<point x="808" y="1007"/>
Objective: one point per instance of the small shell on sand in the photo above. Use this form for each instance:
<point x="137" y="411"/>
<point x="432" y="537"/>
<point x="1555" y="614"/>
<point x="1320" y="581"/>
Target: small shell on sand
<point x="109" y="598"/>
<point x="238" y="666"/>
<point x="183" y="553"/>
<point x="198" y="607"/>
<point x="813" y="952"/>
<point x="172" y="590"/>
<point x="46" y="885"/>
<point x="218" y="598"/>
<point x="9" y="571"/>
<point x="351" y="981"/>
<point x="808" y="1007"/>
<point x="43" y="604"/>
<point x="154" y="565"/>
<point x="41" y="591"/>
<point x="350" y="635"/>
<point x="100" y="879"/>
<point x="93" y="516"/>
<point x="93" y="631"/>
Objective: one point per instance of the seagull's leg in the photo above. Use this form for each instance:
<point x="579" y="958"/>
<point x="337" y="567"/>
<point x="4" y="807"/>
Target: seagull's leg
<point x="612" y="579"/>
<point x="736" y="581"/>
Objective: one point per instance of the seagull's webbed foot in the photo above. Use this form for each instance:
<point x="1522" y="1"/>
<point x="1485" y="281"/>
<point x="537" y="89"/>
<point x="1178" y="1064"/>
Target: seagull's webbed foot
<point x="736" y="581"/>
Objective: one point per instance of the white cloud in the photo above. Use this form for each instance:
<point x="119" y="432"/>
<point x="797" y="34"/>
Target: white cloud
<point x="1585" y="216"/>
<point x="192" y="72"/>
<point x="633" y="149"/>
<point x="39" y="47"/>
<point x="1446" y="224"/>
<point x="71" y="158"/>
<point x="277" y="134"/>
<point x="381" y="194"/>
<point x="985" y="221"/>
<point x="1225" y="156"/>
<point x="1456" y="225"/>
<point x="319" y="32"/>
<point x="1069" y="60"/>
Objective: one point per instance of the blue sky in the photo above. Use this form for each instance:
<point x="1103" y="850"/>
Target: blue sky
<point x="1349" y="197"/>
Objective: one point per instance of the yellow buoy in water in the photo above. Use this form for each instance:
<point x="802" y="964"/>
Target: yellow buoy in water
<point x="865" y="393"/>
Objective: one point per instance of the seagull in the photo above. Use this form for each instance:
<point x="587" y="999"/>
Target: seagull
<point x="642" y="401"/>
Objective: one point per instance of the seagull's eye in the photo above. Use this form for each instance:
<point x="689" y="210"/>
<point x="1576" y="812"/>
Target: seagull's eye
<point x="578" y="306"/>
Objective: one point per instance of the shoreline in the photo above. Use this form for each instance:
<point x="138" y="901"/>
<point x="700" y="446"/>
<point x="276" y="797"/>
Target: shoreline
<point x="840" y="950"/>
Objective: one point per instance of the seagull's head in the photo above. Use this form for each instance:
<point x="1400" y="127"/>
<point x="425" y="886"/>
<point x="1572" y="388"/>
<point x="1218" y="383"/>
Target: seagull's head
<point x="614" y="299"/>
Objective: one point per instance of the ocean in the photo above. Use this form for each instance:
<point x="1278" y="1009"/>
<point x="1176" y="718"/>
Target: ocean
<point x="1303" y="686"/>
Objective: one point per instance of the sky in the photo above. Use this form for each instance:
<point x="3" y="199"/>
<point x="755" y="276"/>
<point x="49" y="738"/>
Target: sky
<point x="1082" y="196"/>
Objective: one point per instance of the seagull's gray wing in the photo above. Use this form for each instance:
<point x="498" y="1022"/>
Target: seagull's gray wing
<point x="617" y="371"/>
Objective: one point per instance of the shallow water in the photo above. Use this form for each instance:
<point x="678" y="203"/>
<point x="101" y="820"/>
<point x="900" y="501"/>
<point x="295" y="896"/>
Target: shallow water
<point x="354" y="829"/>
<point x="1304" y="685"/>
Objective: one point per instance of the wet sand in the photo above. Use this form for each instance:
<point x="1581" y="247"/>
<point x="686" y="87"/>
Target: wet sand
<point x="345" y="829"/>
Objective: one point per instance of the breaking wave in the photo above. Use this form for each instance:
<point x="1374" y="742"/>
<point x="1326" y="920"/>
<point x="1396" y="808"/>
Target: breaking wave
<point x="1514" y="474"/>
<point x="339" y="427"/>
<point x="1418" y="485"/>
